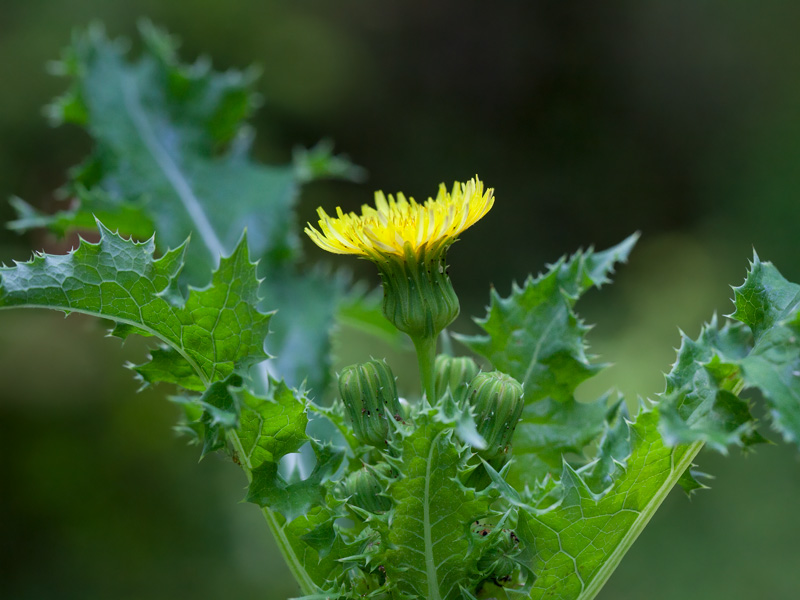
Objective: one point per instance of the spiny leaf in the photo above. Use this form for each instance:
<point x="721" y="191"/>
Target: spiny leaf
<point x="170" y="142"/>
<point x="582" y="535"/>
<point x="690" y="480"/>
<point x="535" y="336"/>
<point x="773" y="366"/>
<point x="320" y="544"/>
<point x="579" y="540"/>
<point x="429" y="536"/>
<point x="172" y="153"/>
<point x="700" y="402"/>
<point x="292" y="499"/>
<point x="271" y="427"/>
<point x="761" y="352"/>
<point x="766" y="298"/>
<point x="214" y="330"/>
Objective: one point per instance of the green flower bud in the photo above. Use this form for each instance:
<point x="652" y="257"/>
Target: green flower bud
<point x="496" y="399"/>
<point x="369" y="393"/>
<point x="454" y="373"/>
<point x="365" y="491"/>
<point x="418" y="297"/>
<point x="497" y="562"/>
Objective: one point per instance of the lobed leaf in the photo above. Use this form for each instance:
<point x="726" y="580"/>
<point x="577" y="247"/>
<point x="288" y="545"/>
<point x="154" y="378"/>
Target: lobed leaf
<point x="206" y="336"/>
<point x="429" y="537"/>
<point x="761" y="351"/>
<point x="171" y="153"/>
<point x="535" y="336"/>
<point x="579" y="540"/>
<point x="583" y="524"/>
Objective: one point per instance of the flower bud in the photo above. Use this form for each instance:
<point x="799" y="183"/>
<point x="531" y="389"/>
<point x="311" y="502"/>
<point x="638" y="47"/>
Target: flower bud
<point x="497" y="562"/>
<point x="369" y="393"/>
<point x="365" y="491"/>
<point x="454" y="373"/>
<point x="418" y="297"/>
<point x="496" y="399"/>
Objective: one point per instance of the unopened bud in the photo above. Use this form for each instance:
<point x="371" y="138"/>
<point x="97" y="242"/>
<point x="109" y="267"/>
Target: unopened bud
<point x="369" y="393"/>
<point x="454" y="373"/>
<point x="418" y="297"/>
<point x="496" y="399"/>
<point x="497" y="562"/>
<point x="365" y="491"/>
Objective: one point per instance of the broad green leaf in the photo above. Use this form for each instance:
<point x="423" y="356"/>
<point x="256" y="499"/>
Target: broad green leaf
<point x="429" y="555"/>
<point x="300" y="331"/>
<point x="267" y="427"/>
<point x="214" y="330"/>
<point x="579" y="540"/>
<point x="272" y="426"/>
<point x="535" y="336"/>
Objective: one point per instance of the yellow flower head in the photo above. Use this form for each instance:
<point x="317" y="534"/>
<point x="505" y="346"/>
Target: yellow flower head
<point x="394" y="223"/>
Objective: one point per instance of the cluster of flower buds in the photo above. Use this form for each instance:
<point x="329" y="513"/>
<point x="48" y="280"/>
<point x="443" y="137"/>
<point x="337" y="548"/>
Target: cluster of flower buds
<point x="496" y="399"/>
<point x="365" y="491"/>
<point x="454" y="373"/>
<point x="369" y="394"/>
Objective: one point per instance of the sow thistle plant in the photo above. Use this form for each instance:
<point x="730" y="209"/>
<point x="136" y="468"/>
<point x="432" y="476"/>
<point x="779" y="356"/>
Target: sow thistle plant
<point x="495" y="482"/>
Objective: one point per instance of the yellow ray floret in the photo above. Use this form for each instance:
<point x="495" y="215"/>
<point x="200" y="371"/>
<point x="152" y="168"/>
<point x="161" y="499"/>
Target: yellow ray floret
<point x="394" y="222"/>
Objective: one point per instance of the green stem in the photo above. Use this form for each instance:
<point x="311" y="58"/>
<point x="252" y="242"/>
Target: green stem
<point x="679" y="466"/>
<point x="426" y="357"/>
<point x="293" y="561"/>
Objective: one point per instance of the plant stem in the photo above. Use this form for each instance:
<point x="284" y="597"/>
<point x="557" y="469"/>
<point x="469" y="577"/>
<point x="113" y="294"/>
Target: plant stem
<point x="293" y="561"/>
<point x="426" y="356"/>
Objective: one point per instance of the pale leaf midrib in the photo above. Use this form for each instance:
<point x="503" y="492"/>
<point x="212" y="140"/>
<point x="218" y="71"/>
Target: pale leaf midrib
<point x="430" y="563"/>
<point x="609" y="566"/>
<point x="171" y="171"/>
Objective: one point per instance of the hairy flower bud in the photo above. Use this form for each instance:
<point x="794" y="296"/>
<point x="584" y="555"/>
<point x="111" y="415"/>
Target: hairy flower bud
<point x="369" y="393"/>
<point x="454" y="373"/>
<point x="496" y="399"/>
<point x="365" y="491"/>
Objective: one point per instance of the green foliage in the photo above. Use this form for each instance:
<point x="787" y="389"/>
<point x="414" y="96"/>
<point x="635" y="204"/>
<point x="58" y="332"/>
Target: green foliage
<point x="420" y="507"/>
<point x="206" y="336"/>
<point x="535" y="336"/>
<point x="171" y="154"/>
<point x="760" y="351"/>
<point x="429" y="536"/>
<point x="584" y="521"/>
<point x="579" y="540"/>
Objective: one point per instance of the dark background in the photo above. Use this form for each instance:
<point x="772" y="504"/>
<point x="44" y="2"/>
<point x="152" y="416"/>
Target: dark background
<point x="591" y="120"/>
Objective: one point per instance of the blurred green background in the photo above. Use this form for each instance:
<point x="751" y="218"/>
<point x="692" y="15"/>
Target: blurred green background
<point x="591" y="120"/>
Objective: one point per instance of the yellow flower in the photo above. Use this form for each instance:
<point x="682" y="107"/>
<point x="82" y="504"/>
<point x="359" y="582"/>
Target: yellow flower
<point x="386" y="230"/>
<point x="408" y="241"/>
